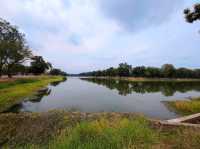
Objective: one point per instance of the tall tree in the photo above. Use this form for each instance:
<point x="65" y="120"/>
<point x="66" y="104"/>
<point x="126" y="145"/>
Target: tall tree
<point x="13" y="47"/>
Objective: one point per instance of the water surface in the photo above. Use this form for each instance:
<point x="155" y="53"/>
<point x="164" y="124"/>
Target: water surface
<point x="100" y="95"/>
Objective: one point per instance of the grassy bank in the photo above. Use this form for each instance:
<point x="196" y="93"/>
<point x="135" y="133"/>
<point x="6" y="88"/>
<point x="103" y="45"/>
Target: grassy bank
<point x="60" y="130"/>
<point x="186" y="107"/>
<point x="14" y="91"/>
<point x="133" y="79"/>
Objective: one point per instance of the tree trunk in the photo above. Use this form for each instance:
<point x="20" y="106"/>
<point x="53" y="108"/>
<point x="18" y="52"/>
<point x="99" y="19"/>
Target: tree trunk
<point x="0" y="71"/>
<point x="9" y="73"/>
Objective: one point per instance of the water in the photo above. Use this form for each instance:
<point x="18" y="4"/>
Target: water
<point x="99" y="95"/>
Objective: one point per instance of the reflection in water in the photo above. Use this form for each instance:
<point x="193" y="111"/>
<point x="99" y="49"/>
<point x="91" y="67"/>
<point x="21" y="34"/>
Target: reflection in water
<point x="166" y="88"/>
<point x="115" y="96"/>
<point x="40" y="94"/>
<point x="36" y="98"/>
<point x="33" y="99"/>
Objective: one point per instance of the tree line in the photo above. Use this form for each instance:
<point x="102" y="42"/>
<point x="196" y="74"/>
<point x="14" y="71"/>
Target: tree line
<point x="126" y="70"/>
<point x="15" y="54"/>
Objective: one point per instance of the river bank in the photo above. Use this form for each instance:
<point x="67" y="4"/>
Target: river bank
<point x="17" y="89"/>
<point x="59" y="129"/>
<point x="140" y="79"/>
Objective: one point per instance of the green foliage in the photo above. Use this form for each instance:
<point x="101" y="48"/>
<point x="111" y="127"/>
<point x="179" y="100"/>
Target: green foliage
<point x="124" y="69"/>
<point x="138" y="71"/>
<point x="14" y="51"/>
<point x="57" y="72"/>
<point x="13" y="47"/>
<point x="166" y="71"/>
<point x="39" y="65"/>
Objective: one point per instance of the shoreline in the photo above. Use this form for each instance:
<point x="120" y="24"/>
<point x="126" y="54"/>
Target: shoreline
<point x="134" y="79"/>
<point x="13" y="92"/>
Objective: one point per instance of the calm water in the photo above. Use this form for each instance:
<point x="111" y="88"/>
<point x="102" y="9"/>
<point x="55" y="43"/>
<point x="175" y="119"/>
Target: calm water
<point x="99" y="95"/>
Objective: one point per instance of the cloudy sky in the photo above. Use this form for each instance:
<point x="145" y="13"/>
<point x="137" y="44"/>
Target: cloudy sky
<point x="84" y="35"/>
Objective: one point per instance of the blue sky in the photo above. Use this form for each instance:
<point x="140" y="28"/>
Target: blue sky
<point x="84" y="35"/>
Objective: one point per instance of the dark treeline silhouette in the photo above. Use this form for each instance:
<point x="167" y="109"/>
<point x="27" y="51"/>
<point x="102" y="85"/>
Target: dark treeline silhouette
<point x="124" y="88"/>
<point x="166" y="71"/>
<point x="15" y="53"/>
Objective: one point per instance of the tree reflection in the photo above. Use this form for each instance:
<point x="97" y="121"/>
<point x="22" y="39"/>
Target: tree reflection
<point x="166" y="88"/>
<point x="40" y="94"/>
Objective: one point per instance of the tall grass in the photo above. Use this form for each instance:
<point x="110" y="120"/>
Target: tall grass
<point x="103" y="134"/>
<point x="187" y="106"/>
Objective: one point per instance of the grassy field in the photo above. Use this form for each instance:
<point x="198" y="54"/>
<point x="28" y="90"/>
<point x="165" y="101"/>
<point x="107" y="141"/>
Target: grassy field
<point x="14" y="91"/>
<point x="186" y="107"/>
<point x="60" y="130"/>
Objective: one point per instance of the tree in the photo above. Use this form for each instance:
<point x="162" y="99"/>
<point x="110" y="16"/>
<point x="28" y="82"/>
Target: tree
<point x="168" y="71"/>
<point x="192" y="15"/>
<point x="185" y="73"/>
<point x="124" y="69"/>
<point x="56" y="71"/>
<point x="138" y="71"/>
<point x="13" y="47"/>
<point x="39" y="65"/>
<point x="152" y="72"/>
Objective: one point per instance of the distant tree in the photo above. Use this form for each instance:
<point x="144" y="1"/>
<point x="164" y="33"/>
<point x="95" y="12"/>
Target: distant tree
<point x="138" y="71"/>
<point x="152" y="72"/>
<point x="124" y="69"/>
<point x="39" y="65"/>
<point x="197" y="73"/>
<point x="111" y="72"/>
<point x="192" y="15"/>
<point x="13" y="47"/>
<point x="168" y="70"/>
<point x="56" y="71"/>
<point x="184" y="73"/>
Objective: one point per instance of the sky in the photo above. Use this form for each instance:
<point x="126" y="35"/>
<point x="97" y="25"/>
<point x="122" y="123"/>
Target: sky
<point x="85" y="35"/>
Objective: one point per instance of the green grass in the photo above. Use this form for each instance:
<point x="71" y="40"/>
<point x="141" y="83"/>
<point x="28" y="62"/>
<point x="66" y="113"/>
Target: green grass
<point x="17" y="82"/>
<point x="186" y="107"/>
<point x="103" y="134"/>
<point x="13" y="92"/>
<point x="61" y="130"/>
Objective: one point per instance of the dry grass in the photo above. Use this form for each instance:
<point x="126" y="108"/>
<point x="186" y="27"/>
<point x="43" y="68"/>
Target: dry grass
<point x="186" y="107"/>
<point x="60" y="130"/>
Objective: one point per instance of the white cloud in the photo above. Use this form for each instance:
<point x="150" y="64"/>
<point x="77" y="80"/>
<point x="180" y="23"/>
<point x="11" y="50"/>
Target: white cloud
<point x="76" y="36"/>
